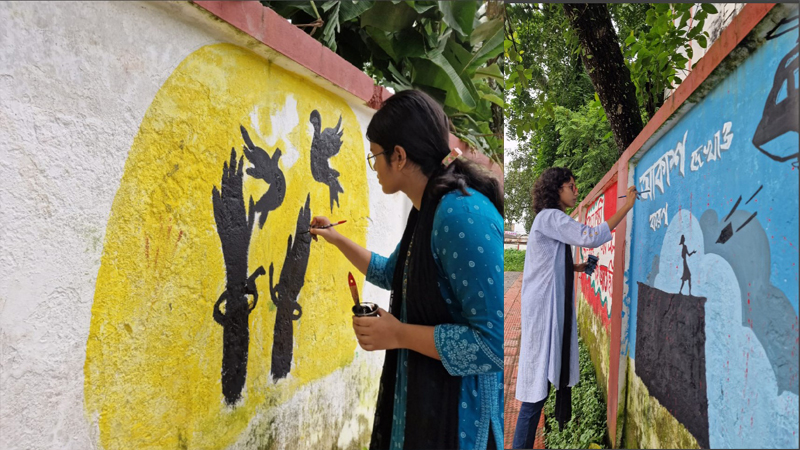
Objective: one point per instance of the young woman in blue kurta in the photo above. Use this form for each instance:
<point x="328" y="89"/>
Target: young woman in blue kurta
<point x="442" y="380"/>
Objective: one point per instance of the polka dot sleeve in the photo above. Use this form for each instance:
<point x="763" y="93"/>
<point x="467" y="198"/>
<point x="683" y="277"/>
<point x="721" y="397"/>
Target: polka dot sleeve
<point x="469" y="249"/>
<point x="381" y="269"/>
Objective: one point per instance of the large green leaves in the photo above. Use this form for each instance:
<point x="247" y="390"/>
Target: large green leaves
<point x="459" y="15"/>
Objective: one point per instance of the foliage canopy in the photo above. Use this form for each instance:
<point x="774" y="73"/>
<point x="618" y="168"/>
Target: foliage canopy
<point x="553" y="109"/>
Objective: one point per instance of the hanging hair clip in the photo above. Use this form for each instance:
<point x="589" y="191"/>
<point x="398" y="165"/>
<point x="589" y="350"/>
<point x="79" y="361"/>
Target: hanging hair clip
<point x="454" y="153"/>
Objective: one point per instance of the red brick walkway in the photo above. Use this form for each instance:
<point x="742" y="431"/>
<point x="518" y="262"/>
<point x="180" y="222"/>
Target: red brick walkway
<point x="511" y="358"/>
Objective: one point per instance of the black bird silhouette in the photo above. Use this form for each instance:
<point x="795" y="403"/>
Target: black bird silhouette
<point x="325" y="145"/>
<point x="265" y="168"/>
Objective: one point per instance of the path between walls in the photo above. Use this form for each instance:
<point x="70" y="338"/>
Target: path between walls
<point x="512" y="329"/>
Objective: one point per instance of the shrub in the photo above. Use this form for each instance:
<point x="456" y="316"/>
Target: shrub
<point x="514" y="260"/>
<point x="588" y="424"/>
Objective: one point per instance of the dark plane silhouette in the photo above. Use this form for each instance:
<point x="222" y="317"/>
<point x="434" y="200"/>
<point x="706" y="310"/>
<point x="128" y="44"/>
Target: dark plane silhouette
<point x="325" y="145"/>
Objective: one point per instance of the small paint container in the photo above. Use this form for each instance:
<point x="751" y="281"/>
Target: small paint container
<point x="366" y="310"/>
<point x="591" y="264"/>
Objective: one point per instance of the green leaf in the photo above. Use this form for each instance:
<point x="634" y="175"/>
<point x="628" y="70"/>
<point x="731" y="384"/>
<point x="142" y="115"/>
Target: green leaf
<point x="521" y="75"/>
<point x="349" y="10"/>
<point x="399" y="77"/>
<point x="383" y="39"/>
<point x="437" y="72"/>
<point x="485" y="31"/>
<point x="630" y="39"/>
<point x="608" y="135"/>
<point x="494" y="99"/>
<point x="420" y="7"/>
<point x="408" y="43"/>
<point x="388" y="17"/>
<point x="511" y="77"/>
<point x="701" y="41"/>
<point x="492" y="71"/>
<point x="489" y="49"/>
<point x="331" y="27"/>
<point x="459" y="15"/>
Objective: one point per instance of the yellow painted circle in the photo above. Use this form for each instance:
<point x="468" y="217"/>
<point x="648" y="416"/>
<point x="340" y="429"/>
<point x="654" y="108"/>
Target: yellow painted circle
<point x="154" y="352"/>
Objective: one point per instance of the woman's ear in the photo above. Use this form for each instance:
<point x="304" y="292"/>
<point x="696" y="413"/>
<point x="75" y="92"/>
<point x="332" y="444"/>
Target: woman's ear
<point x="402" y="157"/>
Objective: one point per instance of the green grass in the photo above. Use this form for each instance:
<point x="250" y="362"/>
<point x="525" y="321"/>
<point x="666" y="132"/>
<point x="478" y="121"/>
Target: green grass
<point x="514" y="260"/>
<point x="588" y="423"/>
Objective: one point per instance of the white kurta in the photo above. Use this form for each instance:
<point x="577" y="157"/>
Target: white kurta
<point x="543" y="301"/>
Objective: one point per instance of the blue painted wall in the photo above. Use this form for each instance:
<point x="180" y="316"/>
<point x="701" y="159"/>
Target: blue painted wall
<point x="745" y="263"/>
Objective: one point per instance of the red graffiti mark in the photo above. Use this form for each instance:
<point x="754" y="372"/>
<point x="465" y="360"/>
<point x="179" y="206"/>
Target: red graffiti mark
<point x="180" y="235"/>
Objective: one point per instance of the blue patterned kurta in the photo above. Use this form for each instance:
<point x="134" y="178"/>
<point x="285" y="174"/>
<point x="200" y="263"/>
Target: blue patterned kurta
<point x="467" y="246"/>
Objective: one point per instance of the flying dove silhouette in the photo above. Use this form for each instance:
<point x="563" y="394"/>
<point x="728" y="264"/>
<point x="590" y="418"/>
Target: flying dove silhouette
<point x="324" y="145"/>
<point x="265" y="168"/>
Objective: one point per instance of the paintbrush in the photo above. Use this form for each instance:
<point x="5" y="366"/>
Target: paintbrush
<point x="353" y="287"/>
<point x="637" y="194"/>
<point x="325" y="226"/>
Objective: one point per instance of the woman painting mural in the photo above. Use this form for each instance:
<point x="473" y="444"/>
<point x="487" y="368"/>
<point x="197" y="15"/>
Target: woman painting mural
<point x="441" y="386"/>
<point x="549" y="341"/>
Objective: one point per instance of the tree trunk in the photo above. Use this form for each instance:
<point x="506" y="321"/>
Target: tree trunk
<point x="602" y="58"/>
<point x="496" y="9"/>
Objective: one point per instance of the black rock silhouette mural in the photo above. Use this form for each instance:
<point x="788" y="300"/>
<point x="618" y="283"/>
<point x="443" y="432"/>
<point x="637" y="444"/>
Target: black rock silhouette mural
<point x="234" y="226"/>
<point x="671" y="356"/>
<point x="782" y="108"/>
<point x="284" y="294"/>
<point x="265" y="168"/>
<point x="324" y="145"/>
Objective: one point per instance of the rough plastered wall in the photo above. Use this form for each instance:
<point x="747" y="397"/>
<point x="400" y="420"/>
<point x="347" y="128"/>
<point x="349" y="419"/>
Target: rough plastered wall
<point x="712" y="279"/>
<point x="595" y="291"/>
<point x="156" y="170"/>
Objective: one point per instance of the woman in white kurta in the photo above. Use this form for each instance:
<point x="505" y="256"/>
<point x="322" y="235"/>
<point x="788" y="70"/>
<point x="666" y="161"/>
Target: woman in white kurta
<point x="544" y="290"/>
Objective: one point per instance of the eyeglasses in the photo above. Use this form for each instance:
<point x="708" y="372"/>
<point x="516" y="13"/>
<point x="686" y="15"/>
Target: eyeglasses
<point x="571" y="186"/>
<point x="371" y="159"/>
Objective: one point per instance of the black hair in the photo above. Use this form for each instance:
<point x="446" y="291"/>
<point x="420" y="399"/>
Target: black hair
<point x="414" y="121"/>
<point x="545" y="191"/>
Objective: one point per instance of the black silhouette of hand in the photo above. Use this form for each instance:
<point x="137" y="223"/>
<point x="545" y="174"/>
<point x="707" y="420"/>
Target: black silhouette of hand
<point x="233" y="222"/>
